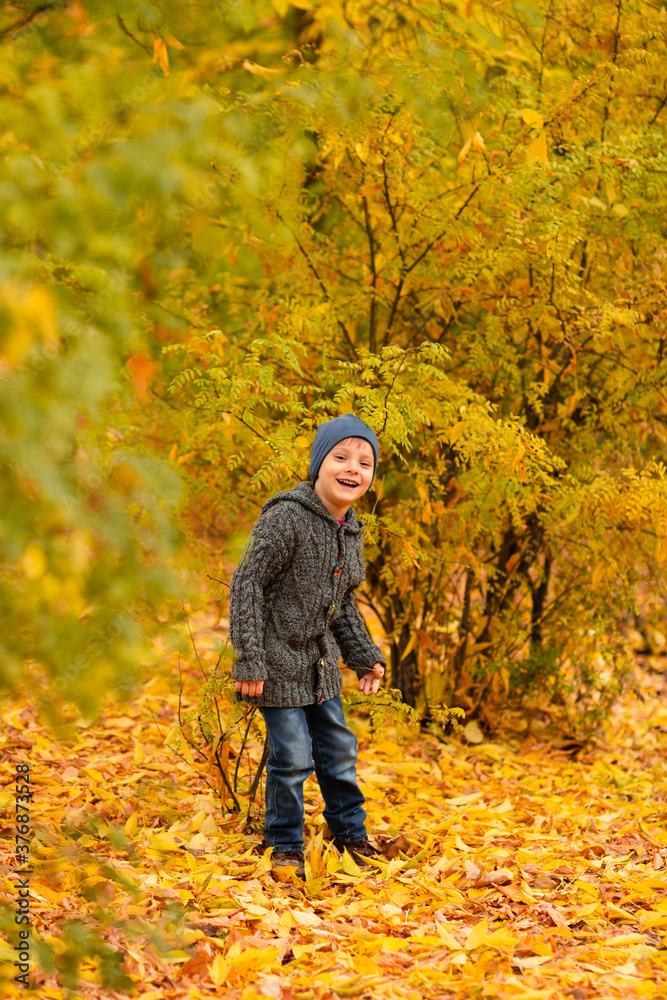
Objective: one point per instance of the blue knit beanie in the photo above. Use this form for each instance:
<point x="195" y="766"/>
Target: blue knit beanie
<point x="331" y="432"/>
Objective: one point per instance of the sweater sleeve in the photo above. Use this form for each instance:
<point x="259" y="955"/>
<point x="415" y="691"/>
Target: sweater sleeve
<point x="350" y="632"/>
<point x="268" y="550"/>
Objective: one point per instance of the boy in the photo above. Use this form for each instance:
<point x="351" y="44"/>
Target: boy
<point x="291" y="615"/>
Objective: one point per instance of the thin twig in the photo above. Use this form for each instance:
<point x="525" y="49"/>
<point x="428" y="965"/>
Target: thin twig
<point x="129" y="34"/>
<point x="542" y="45"/>
<point x="194" y="745"/>
<point x="198" y="773"/>
<point x="29" y="18"/>
<point x="262" y="438"/>
<point x="187" y="622"/>
<point x="222" y="772"/>
<point x="325" y="291"/>
<point x="244" y="741"/>
<point x="162" y="399"/>
<point x="178" y="754"/>
<point x="394" y="305"/>
<point x="371" y="248"/>
<point x="386" y="399"/>
<point x="655" y="116"/>
<point x="256" y="779"/>
<point x="430" y="245"/>
<point x="391" y="210"/>
<point x="614" y="60"/>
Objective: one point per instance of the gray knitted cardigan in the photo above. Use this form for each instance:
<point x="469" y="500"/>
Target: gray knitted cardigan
<point x="292" y="608"/>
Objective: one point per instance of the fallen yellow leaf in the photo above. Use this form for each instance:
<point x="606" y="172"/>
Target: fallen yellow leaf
<point x="477" y="935"/>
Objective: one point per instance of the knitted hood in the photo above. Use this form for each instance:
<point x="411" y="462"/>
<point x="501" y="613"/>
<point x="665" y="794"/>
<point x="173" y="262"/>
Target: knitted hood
<point x="304" y="494"/>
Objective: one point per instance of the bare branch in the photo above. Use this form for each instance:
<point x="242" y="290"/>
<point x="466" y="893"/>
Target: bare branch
<point x="325" y="290"/>
<point x="124" y="28"/>
<point x="26" y="21"/>
<point x="371" y="246"/>
<point x="614" y="60"/>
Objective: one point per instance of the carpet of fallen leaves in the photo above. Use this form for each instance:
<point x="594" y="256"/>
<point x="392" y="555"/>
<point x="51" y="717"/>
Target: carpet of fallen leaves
<point x="514" y="868"/>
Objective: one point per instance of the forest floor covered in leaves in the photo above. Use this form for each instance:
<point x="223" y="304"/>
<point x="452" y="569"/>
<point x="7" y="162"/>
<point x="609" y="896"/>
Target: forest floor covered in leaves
<point x="526" y="872"/>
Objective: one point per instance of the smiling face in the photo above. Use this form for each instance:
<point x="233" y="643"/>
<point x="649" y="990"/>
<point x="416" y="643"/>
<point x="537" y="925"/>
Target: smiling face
<point x="345" y="475"/>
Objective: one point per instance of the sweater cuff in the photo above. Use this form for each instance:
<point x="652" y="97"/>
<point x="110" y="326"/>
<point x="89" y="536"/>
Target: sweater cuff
<point x="364" y="663"/>
<point x="249" y="670"/>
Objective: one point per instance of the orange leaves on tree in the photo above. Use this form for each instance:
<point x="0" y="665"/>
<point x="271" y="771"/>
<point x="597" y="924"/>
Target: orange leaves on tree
<point x="474" y="143"/>
<point x="141" y="368"/>
<point x="410" y="551"/>
<point x="161" y="52"/>
<point x="27" y="317"/>
<point x="266" y="71"/>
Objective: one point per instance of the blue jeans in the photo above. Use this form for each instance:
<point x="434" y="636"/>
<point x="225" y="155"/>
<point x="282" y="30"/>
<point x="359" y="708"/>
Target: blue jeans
<point x="303" y="739"/>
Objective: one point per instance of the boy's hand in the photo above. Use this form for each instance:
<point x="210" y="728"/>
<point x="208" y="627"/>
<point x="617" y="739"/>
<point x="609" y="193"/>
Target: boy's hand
<point x="252" y="688"/>
<point x="370" y="682"/>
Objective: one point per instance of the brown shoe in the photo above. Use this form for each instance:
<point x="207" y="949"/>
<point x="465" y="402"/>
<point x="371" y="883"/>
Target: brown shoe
<point x="289" y="859"/>
<point x="358" y="849"/>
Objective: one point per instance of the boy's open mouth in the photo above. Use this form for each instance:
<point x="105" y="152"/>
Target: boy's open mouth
<point x="347" y="483"/>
